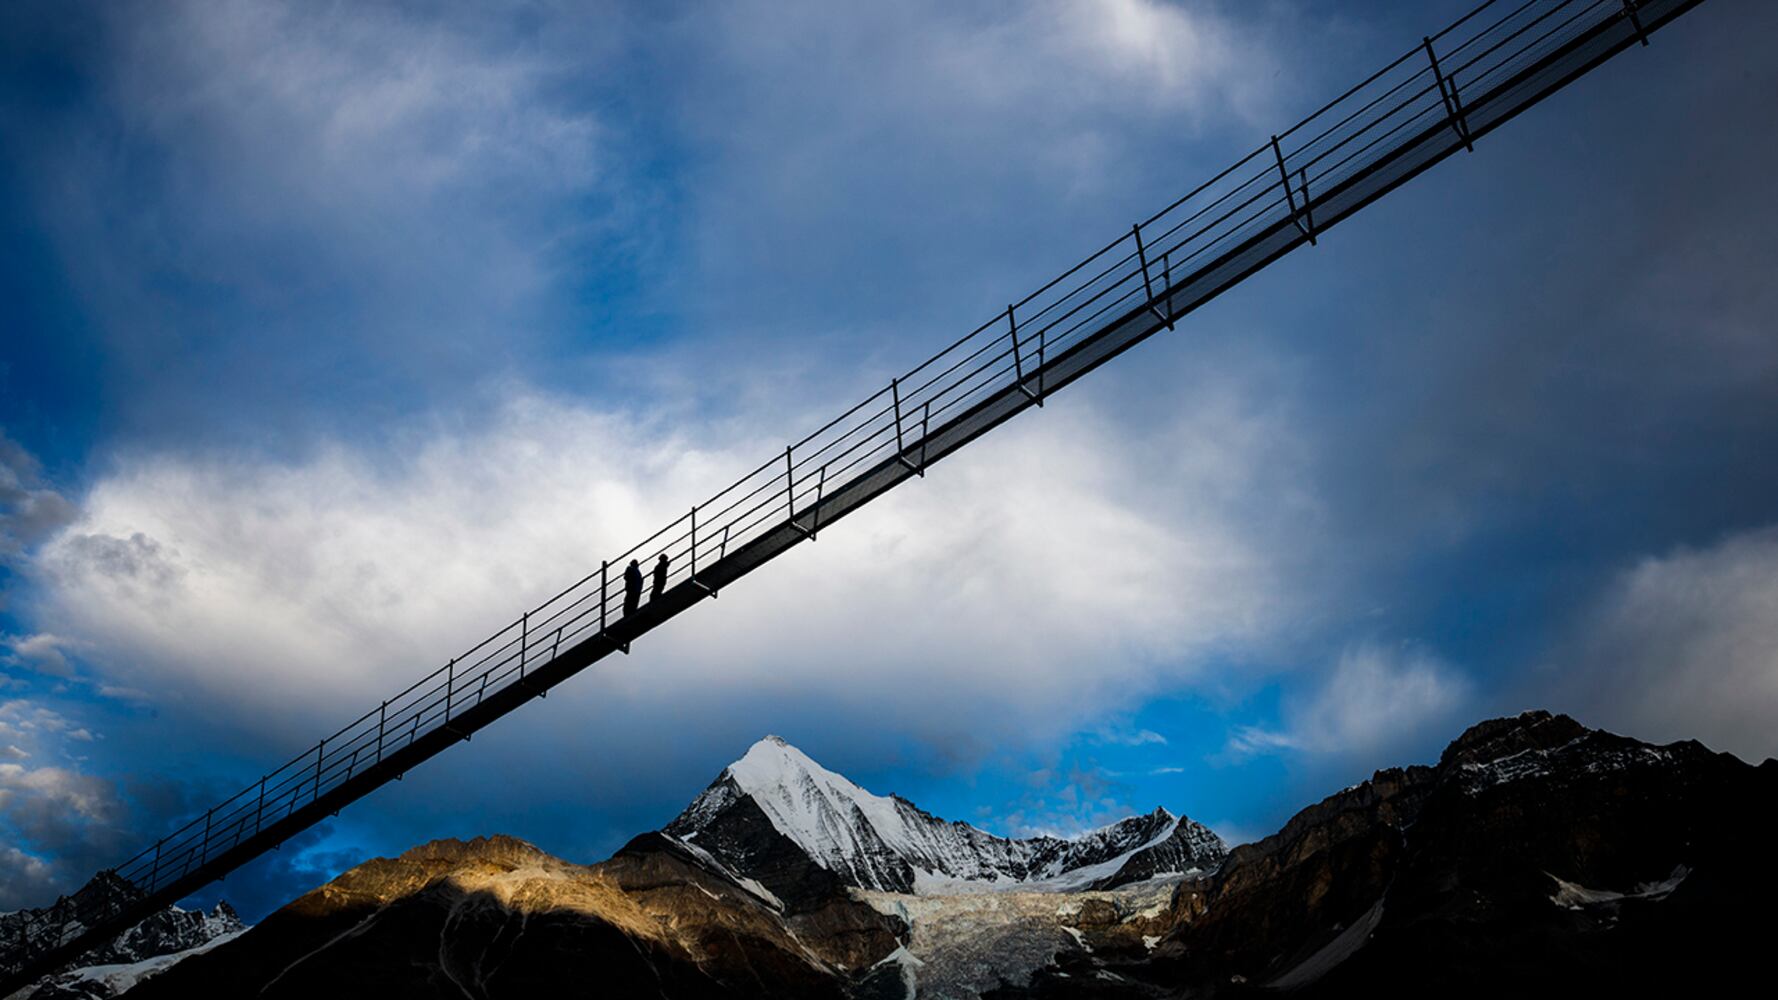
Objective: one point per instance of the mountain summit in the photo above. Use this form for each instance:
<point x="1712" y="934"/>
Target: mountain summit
<point x="776" y="803"/>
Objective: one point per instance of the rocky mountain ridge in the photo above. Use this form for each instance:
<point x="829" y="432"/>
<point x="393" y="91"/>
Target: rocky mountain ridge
<point x="1537" y="857"/>
<point x="888" y="844"/>
<point x="145" y="950"/>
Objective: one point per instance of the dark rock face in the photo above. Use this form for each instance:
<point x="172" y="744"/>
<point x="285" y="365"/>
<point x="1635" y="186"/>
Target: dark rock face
<point x="742" y="839"/>
<point x="30" y="933"/>
<point x="497" y="918"/>
<point x="1538" y="858"/>
<point x="1190" y="847"/>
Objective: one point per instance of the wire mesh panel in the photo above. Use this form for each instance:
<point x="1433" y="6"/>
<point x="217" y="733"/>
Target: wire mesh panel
<point x="1436" y="99"/>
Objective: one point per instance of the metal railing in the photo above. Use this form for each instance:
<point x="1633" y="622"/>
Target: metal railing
<point x="1433" y="100"/>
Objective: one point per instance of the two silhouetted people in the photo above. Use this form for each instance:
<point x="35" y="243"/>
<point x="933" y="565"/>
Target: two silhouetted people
<point x="633" y="583"/>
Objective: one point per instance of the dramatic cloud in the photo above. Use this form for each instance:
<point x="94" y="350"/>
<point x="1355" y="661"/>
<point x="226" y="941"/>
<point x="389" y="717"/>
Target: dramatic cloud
<point x="1684" y="646"/>
<point x="1376" y="697"/>
<point x="302" y="592"/>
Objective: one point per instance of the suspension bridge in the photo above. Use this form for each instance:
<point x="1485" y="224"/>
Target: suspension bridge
<point x="1440" y="97"/>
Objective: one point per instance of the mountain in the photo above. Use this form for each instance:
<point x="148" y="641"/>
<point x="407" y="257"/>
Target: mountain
<point x="775" y="812"/>
<point x="145" y="950"/>
<point x="1537" y="857"/>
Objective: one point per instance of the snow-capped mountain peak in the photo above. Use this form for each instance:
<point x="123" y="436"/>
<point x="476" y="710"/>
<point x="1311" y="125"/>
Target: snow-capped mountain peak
<point x="886" y="842"/>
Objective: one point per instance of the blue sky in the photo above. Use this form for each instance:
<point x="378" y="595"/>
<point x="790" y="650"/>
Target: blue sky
<point x="336" y="334"/>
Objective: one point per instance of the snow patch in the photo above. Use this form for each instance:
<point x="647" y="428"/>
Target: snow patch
<point x="1571" y="896"/>
<point x="119" y="978"/>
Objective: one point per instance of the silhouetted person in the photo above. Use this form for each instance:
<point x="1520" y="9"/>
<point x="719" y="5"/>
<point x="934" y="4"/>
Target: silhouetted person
<point x="660" y="578"/>
<point x="632" y="587"/>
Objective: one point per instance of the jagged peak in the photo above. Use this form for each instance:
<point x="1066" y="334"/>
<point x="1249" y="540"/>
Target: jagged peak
<point x="883" y="841"/>
<point x="1493" y="739"/>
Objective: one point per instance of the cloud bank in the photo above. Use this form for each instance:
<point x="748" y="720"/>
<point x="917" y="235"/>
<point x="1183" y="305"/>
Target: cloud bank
<point x="1057" y="573"/>
<point x="1684" y="645"/>
<point x="1375" y="698"/>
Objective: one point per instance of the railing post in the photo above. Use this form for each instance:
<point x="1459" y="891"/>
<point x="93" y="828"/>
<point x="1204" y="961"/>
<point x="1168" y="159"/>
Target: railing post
<point x="1298" y="217"/>
<point x="524" y="648"/>
<point x="925" y="434"/>
<point x="701" y="585"/>
<point x="789" y="483"/>
<point x="1147" y="282"/>
<point x="259" y="811"/>
<point x="790" y="493"/>
<point x="205" y="852"/>
<point x="820" y="490"/>
<point x="154" y="874"/>
<point x="901" y="448"/>
<point x="382" y="727"/>
<point x="1635" y="17"/>
<point x="320" y="752"/>
<point x="1018" y="362"/>
<point x="450" y="687"/>
<point x="604" y="568"/>
<point x="1012" y="330"/>
<point x="1453" y="101"/>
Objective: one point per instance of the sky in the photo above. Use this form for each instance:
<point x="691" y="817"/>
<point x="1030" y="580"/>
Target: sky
<point x="336" y="334"/>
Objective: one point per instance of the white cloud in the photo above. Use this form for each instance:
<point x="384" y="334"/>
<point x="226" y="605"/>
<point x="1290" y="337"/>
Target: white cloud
<point x="1683" y="646"/>
<point x="58" y="789"/>
<point x="20" y="716"/>
<point x="40" y="652"/>
<point x="1376" y="696"/>
<point x="1131" y="738"/>
<point x="1057" y="572"/>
